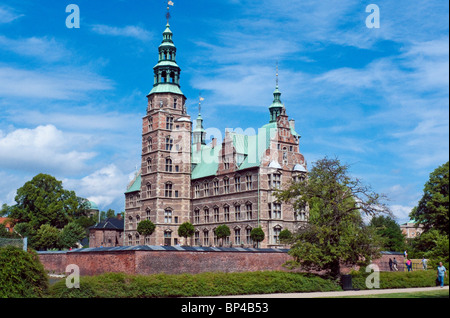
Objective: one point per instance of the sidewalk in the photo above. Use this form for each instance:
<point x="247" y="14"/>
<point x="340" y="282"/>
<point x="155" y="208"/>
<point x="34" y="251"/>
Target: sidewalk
<point x="340" y="293"/>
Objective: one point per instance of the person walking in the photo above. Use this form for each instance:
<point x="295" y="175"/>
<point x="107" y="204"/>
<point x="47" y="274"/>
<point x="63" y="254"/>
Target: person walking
<point x="424" y="263"/>
<point x="390" y="264"/>
<point x="409" y="265"/>
<point x="395" y="264"/>
<point x="441" y="272"/>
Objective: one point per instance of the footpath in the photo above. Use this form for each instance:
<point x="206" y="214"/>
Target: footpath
<point x="348" y="293"/>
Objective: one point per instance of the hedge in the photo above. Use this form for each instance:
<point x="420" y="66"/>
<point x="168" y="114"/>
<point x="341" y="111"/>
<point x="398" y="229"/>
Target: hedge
<point x="21" y="274"/>
<point x="119" y="285"/>
<point x="390" y="280"/>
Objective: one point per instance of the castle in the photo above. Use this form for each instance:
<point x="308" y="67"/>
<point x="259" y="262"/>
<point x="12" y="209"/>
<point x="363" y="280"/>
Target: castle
<point x="229" y="181"/>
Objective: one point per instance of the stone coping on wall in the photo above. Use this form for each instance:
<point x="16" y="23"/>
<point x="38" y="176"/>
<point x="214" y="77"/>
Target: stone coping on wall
<point x="169" y="249"/>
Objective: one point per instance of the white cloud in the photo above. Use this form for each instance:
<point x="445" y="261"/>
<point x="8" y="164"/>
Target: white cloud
<point x="8" y="15"/>
<point x="131" y="31"/>
<point x="104" y="186"/>
<point x="62" y="83"/>
<point x="44" y="148"/>
<point x="43" y="48"/>
<point x="401" y="212"/>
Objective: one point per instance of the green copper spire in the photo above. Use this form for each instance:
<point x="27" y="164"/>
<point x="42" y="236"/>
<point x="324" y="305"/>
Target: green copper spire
<point x="277" y="105"/>
<point x="199" y="134"/>
<point x="167" y="72"/>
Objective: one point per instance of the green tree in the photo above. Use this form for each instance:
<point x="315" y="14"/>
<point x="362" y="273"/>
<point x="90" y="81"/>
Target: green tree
<point x="257" y="235"/>
<point x="285" y="236"/>
<point x="22" y="275"/>
<point x="146" y="227"/>
<point x="5" y="210"/>
<point x="335" y="234"/>
<point x="70" y="235"/>
<point x="47" y="237"/>
<point x="440" y="253"/>
<point x="222" y="231"/>
<point x="433" y="208"/>
<point x="43" y="200"/>
<point x="186" y="230"/>
<point x="391" y="236"/>
<point x="110" y="213"/>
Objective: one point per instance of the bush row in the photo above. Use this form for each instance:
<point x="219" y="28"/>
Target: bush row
<point x="21" y="274"/>
<point x="390" y="280"/>
<point x="119" y="285"/>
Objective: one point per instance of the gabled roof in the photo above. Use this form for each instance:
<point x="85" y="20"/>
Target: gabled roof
<point x="249" y="149"/>
<point x="135" y="184"/>
<point x="109" y="224"/>
<point x="205" y="162"/>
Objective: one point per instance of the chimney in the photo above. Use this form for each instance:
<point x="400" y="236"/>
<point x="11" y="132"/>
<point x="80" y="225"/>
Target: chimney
<point x="119" y="216"/>
<point x="214" y="143"/>
<point x="292" y="123"/>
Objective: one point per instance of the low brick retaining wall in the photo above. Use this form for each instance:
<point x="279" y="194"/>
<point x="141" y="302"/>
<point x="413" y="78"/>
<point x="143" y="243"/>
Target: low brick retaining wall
<point x="146" y="260"/>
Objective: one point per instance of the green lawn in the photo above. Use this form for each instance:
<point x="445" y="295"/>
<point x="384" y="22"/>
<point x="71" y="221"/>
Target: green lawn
<point x="425" y="294"/>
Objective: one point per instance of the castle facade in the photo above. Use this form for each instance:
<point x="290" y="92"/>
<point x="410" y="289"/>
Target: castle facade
<point x="230" y="181"/>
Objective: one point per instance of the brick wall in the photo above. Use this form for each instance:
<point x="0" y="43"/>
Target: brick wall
<point x="170" y="262"/>
<point x="144" y="262"/>
<point x="200" y="262"/>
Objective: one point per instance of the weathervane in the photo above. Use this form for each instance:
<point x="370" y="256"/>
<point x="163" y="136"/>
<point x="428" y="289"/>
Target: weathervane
<point x="169" y="3"/>
<point x="200" y="99"/>
<point x="277" y="74"/>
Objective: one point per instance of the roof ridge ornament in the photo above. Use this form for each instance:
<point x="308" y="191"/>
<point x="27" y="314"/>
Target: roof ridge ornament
<point x="277" y="75"/>
<point x="200" y="99"/>
<point x="168" y="16"/>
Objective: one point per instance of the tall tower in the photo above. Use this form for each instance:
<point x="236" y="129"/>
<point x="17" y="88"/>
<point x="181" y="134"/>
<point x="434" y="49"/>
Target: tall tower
<point x="277" y="106"/>
<point x="166" y="152"/>
<point x="199" y="133"/>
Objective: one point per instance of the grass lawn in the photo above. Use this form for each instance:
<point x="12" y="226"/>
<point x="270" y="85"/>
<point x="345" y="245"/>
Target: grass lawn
<point x="425" y="294"/>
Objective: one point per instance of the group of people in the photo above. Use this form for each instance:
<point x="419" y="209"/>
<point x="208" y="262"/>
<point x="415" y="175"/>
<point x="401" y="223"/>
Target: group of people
<point x="441" y="270"/>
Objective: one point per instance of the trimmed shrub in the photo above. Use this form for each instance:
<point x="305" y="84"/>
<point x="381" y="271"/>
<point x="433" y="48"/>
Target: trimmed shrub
<point x="391" y="280"/>
<point x="21" y="274"/>
<point x="118" y="285"/>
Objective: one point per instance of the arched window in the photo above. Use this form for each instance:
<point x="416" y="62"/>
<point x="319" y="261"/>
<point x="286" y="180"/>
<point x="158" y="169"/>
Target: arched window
<point x="169" y="144"/>
<point x="168" y="190"/>
<point x="168" y="165"/>
<point x="169" y="123"/>
<point x="149" y="144"/>
<point x="216" y="214"/>
<point x="248" y="207"/>
<point x="137" y="237"/>
<point x="276" y="234"/>
<point x="130" y="222"/>
<point x="237" y="212"/>
<point x="226" y="185"/>
<point x="226" y="213"/>
<point x="206" y="210"/>
<point x="237" y="183"/>
<point x="149" y="189"/>
<point x="149" y="165"/>
<point x="197" y="216"/>
<point x="167" y="216"/>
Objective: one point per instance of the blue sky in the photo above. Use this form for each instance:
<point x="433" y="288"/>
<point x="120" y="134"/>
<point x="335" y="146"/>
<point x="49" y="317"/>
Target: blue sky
<point x="71" y="100"/>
